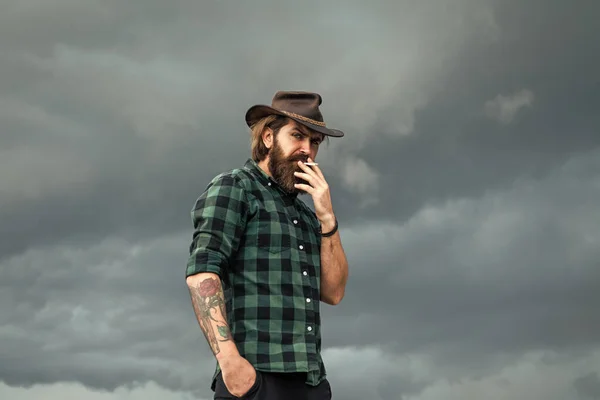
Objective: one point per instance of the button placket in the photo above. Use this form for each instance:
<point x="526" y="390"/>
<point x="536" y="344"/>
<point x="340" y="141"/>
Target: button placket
<point x="301" y="235"/>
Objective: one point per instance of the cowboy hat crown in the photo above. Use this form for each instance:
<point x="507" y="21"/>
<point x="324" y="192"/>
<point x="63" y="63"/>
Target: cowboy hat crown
<point x="302" y="107"/>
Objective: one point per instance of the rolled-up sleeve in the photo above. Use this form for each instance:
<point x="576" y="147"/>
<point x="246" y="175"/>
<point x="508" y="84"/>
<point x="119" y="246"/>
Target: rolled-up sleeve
<point x="219" y="218"/>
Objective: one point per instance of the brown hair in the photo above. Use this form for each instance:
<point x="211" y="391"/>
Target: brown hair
<point x="257" y="146"/>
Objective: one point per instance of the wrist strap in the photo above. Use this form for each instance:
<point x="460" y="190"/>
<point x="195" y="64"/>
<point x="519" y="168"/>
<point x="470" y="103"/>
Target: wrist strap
<point x="334" y="230"/>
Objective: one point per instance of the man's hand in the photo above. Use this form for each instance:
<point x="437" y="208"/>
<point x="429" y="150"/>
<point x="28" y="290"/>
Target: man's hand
<point x="318" y="188"/>
<point x="238" y="374"/>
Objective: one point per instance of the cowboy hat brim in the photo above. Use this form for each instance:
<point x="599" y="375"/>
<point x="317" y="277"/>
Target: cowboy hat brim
<point x="255" y="113"/>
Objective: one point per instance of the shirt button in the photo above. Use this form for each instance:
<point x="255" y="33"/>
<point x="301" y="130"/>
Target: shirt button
<point x="269" y="183"/>
<point x="304" y="273"/>
<point x="295" y="221"/>
<point x="308" y="300"/>
<point x="301" y="247"/>
<point x="309" y="328"/>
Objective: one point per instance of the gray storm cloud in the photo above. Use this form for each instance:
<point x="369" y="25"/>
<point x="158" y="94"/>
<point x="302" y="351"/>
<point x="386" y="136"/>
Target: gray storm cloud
<point x="465" y="189"/>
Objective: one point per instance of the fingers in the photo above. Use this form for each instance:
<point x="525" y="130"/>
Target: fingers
<point x="316" y="169"/>
<point x="307" y="177"/>
<point x="307" y="188"/>
<point x="312" y="171"/>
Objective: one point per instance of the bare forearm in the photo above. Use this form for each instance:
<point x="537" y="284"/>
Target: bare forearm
<point x="208" y="301"/>
<point x="334" y="269"/>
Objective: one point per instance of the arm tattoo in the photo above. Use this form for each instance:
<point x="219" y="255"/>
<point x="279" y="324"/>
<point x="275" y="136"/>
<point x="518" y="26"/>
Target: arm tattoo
<point x="209" y="305"/>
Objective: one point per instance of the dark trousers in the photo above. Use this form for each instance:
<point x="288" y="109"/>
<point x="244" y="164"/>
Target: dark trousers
<point x="277" y="386"/>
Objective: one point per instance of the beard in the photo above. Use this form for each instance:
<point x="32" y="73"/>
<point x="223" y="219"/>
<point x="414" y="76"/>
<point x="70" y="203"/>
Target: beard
<point x="282" y="168"/>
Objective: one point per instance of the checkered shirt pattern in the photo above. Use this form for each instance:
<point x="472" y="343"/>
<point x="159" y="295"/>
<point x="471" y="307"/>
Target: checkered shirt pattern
<point x="265" y="246"/>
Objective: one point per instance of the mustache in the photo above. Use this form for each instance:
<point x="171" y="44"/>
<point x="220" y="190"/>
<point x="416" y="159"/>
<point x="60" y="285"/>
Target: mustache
<point x="302" y="158"/>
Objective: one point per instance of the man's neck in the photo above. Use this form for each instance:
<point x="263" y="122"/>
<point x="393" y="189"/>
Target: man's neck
<point x="264" y="165"/>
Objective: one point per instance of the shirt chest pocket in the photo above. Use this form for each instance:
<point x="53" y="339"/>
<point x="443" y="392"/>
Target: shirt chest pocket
<point x="275" y="232"/>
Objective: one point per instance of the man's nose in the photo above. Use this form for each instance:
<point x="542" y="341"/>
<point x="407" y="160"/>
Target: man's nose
<point x="305" y="149"/>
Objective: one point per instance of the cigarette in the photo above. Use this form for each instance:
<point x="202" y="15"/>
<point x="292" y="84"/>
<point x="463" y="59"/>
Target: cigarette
<point x="311" y="163"/>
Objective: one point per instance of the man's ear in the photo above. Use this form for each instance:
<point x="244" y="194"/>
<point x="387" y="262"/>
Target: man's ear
<point x="267" y="137"/>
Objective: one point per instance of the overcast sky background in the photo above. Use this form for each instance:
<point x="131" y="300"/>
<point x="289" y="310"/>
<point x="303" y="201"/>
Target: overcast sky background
<point x="467" y="189"/>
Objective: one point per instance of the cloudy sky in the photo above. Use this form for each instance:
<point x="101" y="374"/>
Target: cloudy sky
<point x="467" y="189"/>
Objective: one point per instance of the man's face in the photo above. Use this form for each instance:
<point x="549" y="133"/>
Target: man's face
<point x="293" y="143"/>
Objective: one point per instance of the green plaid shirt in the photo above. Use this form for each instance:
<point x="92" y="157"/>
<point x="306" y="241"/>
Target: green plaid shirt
<point x="265" y="245"/>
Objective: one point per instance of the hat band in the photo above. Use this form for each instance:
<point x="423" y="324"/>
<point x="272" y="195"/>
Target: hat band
<point x="303" y="118"/>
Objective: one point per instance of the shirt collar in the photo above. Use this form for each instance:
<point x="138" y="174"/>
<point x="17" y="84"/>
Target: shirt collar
<point x="265" y="179"/>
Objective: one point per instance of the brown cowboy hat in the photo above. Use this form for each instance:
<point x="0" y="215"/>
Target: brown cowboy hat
<point x="302" y="107"/>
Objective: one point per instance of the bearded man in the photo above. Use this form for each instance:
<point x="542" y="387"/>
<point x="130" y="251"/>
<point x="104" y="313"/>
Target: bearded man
<point x="261" y="260"/>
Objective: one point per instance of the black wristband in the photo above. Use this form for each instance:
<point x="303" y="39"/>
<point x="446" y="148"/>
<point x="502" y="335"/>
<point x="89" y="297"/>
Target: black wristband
<point x="334" y="230"/>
